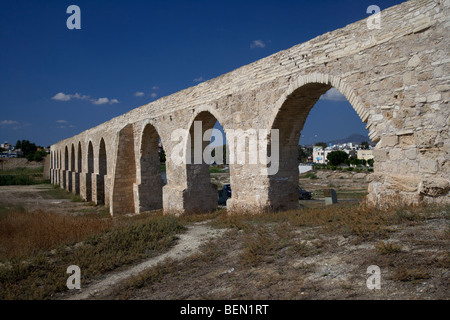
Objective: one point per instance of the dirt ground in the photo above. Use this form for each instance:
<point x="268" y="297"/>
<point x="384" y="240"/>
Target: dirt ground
<point x="43" y="197"/>
<point x="335" y="268"/>
<point x="318" y="266"/>
<point x="14" y="163"/>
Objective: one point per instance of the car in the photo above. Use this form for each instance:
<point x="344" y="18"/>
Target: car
<point x="303" y="194"/>
<point x="224" y="194"/>
<point x="227" y="188"/>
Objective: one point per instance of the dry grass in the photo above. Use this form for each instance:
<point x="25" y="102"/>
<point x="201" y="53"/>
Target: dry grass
<point x="387" y="247"/>
<point x="406" y="273"/>
<point x="23" y="233"/>
<point x="97" y="245"/>
<point x="261" y="255"/>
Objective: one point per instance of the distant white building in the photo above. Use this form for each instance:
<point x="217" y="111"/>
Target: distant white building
<point x="319" y="155"/>
<point x="7" y="146"/>
<point x="364" y="154"/>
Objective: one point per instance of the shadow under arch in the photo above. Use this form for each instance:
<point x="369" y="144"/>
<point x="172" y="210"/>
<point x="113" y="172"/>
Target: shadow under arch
<point x="201" y="195"/>
<point x="90" y="171"/>
<point x="149" y="179"/>
<point x="102" y="172"/>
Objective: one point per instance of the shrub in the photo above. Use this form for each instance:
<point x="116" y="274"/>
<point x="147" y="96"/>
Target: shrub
<point x="335" y="158"/>
<point x="387" y="247"/>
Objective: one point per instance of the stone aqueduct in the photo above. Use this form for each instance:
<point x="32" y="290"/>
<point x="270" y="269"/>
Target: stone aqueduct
<point x="396" y="78"/>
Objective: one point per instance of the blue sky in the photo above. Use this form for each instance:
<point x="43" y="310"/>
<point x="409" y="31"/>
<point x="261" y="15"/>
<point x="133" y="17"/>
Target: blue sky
<point x="56" y="82"/>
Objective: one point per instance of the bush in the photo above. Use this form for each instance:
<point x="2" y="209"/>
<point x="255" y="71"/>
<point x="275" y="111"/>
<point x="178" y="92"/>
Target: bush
<point x="36" y="156"/>
<point x="335" y="158"/>
<point x="311" y="175"/>
<point x="16" y="180"/>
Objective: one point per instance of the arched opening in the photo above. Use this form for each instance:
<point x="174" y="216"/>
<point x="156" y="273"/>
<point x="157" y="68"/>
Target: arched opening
<point x="79" y="159"/>
<point x="203" y="195"/>
<point x="152" y="174"/>
<point x="72" y="159"/>
<point x="65" y="182"/>
<point x="102" y="172"/>
<point x="90" y="158"/>
<point x="284" y="191"/>
<point x="66" y="158"/>
<point x="90" y="171"/>
<point x="58" y="166"/>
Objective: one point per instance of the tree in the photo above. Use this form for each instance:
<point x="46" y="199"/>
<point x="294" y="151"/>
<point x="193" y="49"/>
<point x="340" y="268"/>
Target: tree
<point x="365" y="145"/>
<point x="370" y="162"/>
<point x="336" y="158"/>
<point x="162" y="155"/>
<point x="28" y="148"/>
<point x="303" y="154"/>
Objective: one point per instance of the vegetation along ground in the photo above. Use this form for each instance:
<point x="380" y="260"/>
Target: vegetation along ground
<point x="316" y="252"/>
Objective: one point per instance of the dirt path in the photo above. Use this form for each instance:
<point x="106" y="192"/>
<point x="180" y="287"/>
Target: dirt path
<point x="188" y="244"/>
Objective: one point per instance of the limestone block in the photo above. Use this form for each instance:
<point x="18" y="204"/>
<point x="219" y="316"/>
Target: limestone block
<point x="426" y="138"/>
<point x="411" y="154"/>
<point x="414" y="61"/>
<point x="435" y="187"/>
<point x="395" y="154"/>
<point x="434" y="97"/>
<point x="404" y="183"/>
<point x="389" y="141"/>
<point x="379" y="155"/>
<point x="428" y="166"/>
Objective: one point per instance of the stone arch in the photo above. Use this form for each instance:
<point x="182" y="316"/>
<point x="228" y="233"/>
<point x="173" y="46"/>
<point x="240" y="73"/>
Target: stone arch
<point x="72" y="158"/>
<point x="102" y="172"/>
<point x="201" y="194"/>
<point x="66" y="158"/>
<point x="58" y="165"/>
<point x="327" y="81"/>
<point x="289" y="118"/>
<point x="90" y="158"/>
<point x="65" y="171"/>
<point x="149" y="180"/>
<point x="79" y="158"/>
<point x="90" y="172"/>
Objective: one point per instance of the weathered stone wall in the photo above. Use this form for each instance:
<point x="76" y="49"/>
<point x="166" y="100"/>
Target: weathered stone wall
<point x="396" y="78"/>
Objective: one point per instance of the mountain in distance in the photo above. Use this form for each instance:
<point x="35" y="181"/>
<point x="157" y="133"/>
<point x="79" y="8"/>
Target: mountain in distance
<point x="355" y="138"/>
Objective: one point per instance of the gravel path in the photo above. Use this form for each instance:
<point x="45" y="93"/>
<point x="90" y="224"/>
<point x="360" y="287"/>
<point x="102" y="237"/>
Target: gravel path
<point x="188" y="244"/>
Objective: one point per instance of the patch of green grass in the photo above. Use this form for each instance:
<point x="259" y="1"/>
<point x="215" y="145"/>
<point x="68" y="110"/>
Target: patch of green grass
<point x="22" y="176"/>
<point x="215" y="169"/>
<point x="310" y="175"/>
<point x="57" y="193"/>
